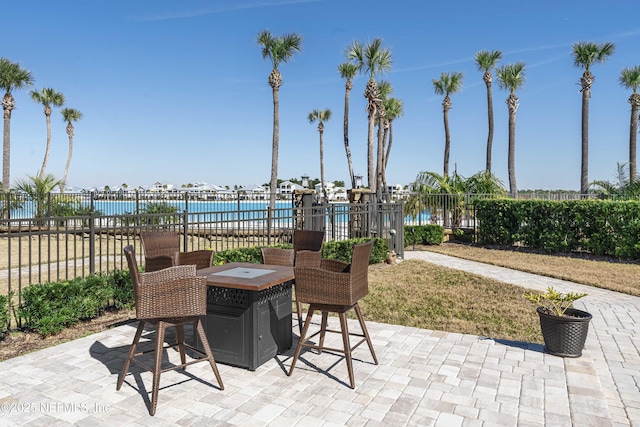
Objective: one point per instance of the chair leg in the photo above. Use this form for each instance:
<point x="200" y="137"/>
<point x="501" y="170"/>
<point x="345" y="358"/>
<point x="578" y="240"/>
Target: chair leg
<point x="181" y="346"/>
<point x="323" y="330"/>
<point x="299" y="311"/>
<point x="132" y="351"/>
<point x="207" y="351"/>
<point x="303" y="334"/>
<point x="365" y="332"/>
<point x="347" y="347"/>
<point x="157" y="366"/>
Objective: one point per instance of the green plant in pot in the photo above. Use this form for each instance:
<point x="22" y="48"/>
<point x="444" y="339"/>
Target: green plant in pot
<point x="564" y="328"/>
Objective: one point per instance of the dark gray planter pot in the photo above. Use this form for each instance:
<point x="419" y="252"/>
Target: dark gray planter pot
<point x="564" y="336"/>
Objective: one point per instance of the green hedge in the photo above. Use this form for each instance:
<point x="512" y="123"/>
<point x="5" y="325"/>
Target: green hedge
<point x="431" y="234"/>
<point x="47" y="308"/>
<point x="600" y="227"/>
<point x="335" y="249"/>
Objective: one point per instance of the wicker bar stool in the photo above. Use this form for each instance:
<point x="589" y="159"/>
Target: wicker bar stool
<point x="172" y="296"/>
<point x="306" y="252"/>
<point x="335" y="287"/>
<point x="162" y="250"/>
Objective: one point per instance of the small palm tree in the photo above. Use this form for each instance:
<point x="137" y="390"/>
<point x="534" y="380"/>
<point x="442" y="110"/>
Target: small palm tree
<point x="371" y="59"/>
<point x="47" y="97"/>
<point x="38" y="190"/>
<point x="278" y="50"/>
<point x="630" y="79"/>
<point x="321" y="116"/>
<point x="511" y="77"/>
<point x="486" y="61"/>
<point x="348" y="71"/>
<point x="448" y="84"/>
<point x="12" y="77"/>
<point x="586" y="54"/>
<point x="624" y="185"/>
<point x="69" y="115"/>
<point x="430" y="187"/>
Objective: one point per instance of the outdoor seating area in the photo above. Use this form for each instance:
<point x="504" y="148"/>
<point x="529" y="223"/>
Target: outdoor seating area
<point x="423" y="377"/>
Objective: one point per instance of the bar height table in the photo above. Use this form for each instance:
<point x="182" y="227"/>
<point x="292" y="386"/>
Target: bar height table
<point x="249" y="312"/>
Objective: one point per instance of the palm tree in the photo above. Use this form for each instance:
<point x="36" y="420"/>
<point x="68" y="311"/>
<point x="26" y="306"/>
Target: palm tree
<point x="630" y="79"/>
<point x="321" y="116"/>
<point x="47" y="97"/>
<point x="586" y="54"/>
<point x="449" y="83"/>
<point x="370" y="59"/>
<point x="38" y="190"/>
<point x="625" y="185"/>
<point x="278" y="50"/>
<point x="430" y="187"/>
<point x="69" y="115"/>
<point x="394" y="109"/>
<point x="486" y="61"/>
<point x="348" y="71"/>
<point x="12" y="77"/>
<point x="511" y="77"/>
<point x="384" y="90"/>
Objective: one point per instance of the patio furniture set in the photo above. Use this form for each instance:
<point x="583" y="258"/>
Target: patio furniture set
<point x="242" y="312"/>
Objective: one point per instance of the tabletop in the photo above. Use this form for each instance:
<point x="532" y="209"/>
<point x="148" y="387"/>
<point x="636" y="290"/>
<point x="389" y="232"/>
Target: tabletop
<point x="246" y="275"/>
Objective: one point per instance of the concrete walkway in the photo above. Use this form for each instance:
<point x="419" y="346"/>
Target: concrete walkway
<point x="424" y="378"/>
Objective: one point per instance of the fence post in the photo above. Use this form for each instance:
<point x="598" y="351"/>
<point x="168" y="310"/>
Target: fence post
<point x="185" y="219"/>
<point x="303" y="212"/>
<point x="358" y="205"/>
<point x="92" y="243"/>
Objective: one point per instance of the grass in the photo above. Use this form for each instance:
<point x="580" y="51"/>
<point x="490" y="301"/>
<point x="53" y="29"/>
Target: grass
<point x="416" y="293"/>
<point x="600" y="272"/>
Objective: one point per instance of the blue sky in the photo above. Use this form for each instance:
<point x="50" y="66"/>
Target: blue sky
<point x="176" y="91"/>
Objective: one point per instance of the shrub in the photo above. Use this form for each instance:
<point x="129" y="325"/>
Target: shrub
<point x="122" y="285"/>
<point x="431" y="234"/>
<point x="342" y="249"/>
<point x="48" y="308"/>
<point x="5" y="312"/>
<point x="238" y="255"/>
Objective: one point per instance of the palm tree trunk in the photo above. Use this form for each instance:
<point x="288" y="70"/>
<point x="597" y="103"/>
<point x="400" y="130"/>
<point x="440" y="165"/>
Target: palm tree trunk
<point x="634" y="100"/>
<point x="586" y="81"/>
<point x="380" y="154"/>
<point x="47" y="115"/>
<point x="370" y="174"/>
<point x="347" y="96"/>
<point x="447" y="137"/>
<point x="512" y="102"/>
<point x="387" y="133"/>
<point x="8" y="105"/>
<point x="274" y="150"/>
<point x="66" y="167"/>
<point x="324" y="190"/>
<point x="386" y="156"/>
<point x="490" y="119"/>
<point x="371" y="94"/>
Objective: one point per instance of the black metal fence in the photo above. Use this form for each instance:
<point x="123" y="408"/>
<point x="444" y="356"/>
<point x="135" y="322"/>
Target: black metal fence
<point x="62" y="247"/>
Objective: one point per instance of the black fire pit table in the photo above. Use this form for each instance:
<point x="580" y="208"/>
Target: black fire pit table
<point x="248" y="317"/>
